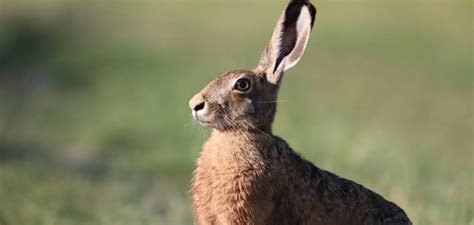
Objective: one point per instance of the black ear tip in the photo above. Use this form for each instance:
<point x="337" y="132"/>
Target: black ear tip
<point x="299" y="4"/>
<point x="312" y="11"/>
<point x="304" y="2"/>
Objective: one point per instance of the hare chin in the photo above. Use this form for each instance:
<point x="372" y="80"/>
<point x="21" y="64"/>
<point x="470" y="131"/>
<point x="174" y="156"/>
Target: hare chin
<point x="202" y="122"/>
<point x="205" y="123"/>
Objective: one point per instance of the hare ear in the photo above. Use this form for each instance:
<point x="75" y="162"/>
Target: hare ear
<point x="289" y="40"/>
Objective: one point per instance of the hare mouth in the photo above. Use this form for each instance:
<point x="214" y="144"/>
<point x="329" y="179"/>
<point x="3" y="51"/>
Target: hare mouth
<point x="203" y="122"/>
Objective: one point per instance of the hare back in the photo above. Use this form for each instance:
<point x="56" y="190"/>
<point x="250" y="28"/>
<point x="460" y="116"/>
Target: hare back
<point x="310" y="195"/>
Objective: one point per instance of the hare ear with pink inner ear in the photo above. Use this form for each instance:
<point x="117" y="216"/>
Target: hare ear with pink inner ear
<point x="288" y="41"/>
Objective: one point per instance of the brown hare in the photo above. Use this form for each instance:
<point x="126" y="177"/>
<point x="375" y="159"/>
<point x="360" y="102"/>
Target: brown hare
<point x="247" y="175"/>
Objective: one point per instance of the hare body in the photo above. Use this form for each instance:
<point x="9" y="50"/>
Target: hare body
<point x="247" y="175"/>
<point x="256" y="178"/>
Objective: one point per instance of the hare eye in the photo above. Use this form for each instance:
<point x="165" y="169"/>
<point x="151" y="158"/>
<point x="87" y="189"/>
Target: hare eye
<point x="242" y="84"/>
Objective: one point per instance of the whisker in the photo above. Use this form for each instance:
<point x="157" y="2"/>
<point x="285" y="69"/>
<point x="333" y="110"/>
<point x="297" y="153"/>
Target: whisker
<point x="274" y="101"/>
<point x="232" y="124"/>
<point x="189" y="123"/>
<point x="201" y="134"/>
<point x="253" y="126"/>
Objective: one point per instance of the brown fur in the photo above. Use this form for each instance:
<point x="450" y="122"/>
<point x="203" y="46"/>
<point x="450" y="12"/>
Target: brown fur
<point x="247" y="175"/>
<point x="250" y="177"/>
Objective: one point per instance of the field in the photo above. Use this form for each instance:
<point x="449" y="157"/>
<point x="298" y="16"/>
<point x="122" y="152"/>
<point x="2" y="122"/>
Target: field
<point x="95" y="126"/>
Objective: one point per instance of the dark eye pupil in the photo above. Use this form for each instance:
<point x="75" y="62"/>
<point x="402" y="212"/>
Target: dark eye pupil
<point x="243" y="84"/>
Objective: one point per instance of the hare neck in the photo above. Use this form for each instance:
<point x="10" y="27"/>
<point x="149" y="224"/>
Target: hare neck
<point x="262" y="134"/>
<point x="237" y="141"/>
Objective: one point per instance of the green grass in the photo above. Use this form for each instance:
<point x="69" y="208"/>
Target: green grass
<point x="95" y="127"/>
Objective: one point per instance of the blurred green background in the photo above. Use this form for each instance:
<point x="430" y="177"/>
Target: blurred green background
<point x="95" y="127"/>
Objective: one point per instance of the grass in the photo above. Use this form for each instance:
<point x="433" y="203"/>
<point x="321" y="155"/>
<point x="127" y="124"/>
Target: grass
<point x="95" y="128"/>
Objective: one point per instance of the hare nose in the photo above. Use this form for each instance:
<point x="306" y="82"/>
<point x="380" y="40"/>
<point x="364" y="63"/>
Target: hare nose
<point x="199" y="106"/>
<point x="197" y="103"/>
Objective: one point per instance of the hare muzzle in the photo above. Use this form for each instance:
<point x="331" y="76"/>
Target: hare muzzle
<point x="199" y="108"/>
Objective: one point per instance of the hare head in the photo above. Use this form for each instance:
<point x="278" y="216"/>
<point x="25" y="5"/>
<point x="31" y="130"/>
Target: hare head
<point x="246" y="99"/>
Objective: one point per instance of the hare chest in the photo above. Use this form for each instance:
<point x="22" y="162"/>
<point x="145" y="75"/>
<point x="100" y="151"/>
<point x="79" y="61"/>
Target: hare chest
<point x="228" y="186"/>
